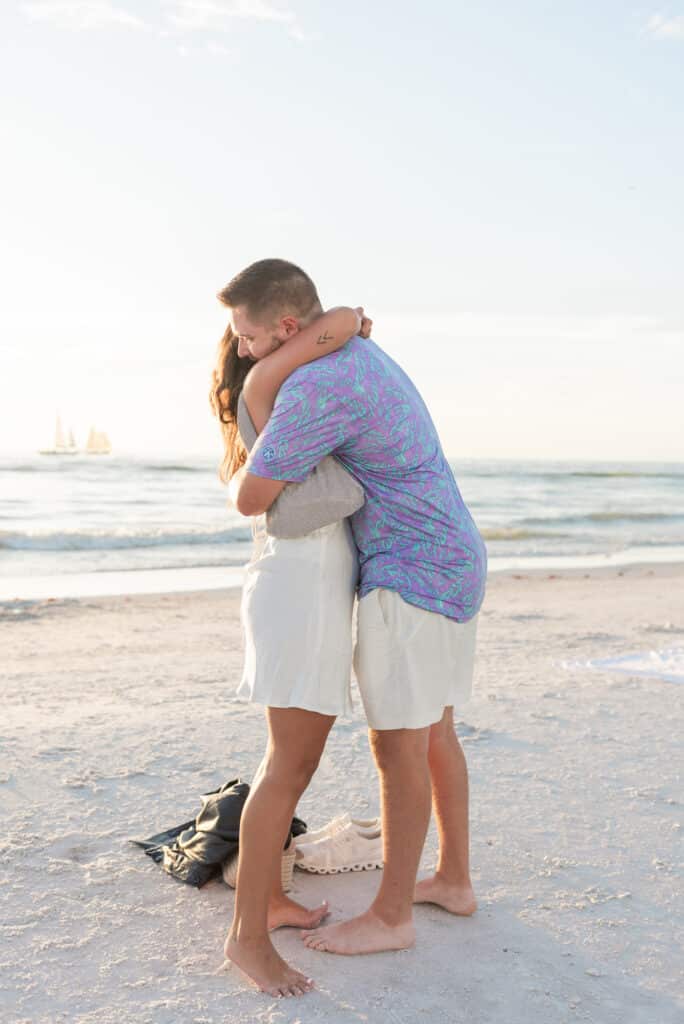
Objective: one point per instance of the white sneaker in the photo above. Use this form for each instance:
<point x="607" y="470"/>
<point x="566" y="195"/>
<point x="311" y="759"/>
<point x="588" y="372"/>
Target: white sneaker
<point x="345" y="850"/>
<point x="363" y="825"/>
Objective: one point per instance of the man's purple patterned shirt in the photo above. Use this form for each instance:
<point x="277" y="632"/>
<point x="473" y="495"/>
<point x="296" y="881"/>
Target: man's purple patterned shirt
<point x="415" y="534"/>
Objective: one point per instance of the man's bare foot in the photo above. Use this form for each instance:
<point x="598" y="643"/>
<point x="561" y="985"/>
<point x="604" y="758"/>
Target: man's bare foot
<point x="286" y="913"/>
<point x="457" y="899"/>
<point x="262" y="965"/>
<point x="364" y="934"/>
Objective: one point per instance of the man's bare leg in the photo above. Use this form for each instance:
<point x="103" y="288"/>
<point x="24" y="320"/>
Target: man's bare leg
<point x="296" y="741"/>
<point x="450" y="887"/>
<point x="402" y="759"/>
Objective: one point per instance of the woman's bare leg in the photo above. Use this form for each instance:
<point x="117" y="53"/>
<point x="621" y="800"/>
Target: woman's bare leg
<point x="284" y="912"/>
<point x="450" y="886"/>
<point x="295" y="744"/>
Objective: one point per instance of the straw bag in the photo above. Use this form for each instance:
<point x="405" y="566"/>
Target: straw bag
<point x="229" y="868"/>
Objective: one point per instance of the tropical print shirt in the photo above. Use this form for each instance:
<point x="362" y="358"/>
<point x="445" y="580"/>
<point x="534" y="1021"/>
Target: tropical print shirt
<point x="415" y="534"/>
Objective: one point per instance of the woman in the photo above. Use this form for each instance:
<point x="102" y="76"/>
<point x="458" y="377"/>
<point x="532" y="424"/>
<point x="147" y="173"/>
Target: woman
<point x="292" y="661"/>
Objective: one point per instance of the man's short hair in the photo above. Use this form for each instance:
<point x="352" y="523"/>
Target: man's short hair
<point x="270" y="289"/>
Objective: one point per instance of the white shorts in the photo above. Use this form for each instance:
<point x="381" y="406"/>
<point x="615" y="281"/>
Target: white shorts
<point x="296" y="611"/>
<point x="410" y="663"/>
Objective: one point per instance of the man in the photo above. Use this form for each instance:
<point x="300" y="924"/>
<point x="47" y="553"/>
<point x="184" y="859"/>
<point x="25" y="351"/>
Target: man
<point x="422" y="579"/>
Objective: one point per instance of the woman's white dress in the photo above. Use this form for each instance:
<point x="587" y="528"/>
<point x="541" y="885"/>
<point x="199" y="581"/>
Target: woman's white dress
<point x="296" y="611"/>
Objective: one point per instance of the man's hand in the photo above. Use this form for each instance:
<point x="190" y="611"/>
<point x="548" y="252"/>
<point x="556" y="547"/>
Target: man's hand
<point x="366" y="323"/>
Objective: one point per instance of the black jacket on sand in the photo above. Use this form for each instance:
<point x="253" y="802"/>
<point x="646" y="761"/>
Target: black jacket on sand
<point x="194" y="851"/>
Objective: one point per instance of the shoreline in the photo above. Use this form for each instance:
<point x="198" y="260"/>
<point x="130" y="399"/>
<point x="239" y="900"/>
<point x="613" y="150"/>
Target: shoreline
<point x="133" y="582"/>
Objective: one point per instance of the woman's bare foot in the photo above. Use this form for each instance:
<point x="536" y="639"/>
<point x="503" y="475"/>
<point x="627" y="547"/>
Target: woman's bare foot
<point x="364" y="934"/>
<point x="284" y="912"/>
<point x="457" y="899"/>
<point x="262" y="965"/>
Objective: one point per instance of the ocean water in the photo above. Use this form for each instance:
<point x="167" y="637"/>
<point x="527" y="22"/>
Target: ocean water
<point x="101" y="524"/>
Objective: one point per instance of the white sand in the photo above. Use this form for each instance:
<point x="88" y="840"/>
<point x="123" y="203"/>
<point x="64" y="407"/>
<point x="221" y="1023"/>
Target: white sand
<point x="117" y="714"/>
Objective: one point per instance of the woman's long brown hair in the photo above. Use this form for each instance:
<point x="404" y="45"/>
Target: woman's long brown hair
<point x="227" y="381"/>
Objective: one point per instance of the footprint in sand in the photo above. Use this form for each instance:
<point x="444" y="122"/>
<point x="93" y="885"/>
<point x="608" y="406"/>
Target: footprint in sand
<point x="667" y="627"/>
<point x="471" y="732"/>
<point x="56" y="752"/>
<point x="77" y="848"/>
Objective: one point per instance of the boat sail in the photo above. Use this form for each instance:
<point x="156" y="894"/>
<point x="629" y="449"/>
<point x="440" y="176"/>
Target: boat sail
<point x="61" y="446"/>
<point x="98" y="443"/>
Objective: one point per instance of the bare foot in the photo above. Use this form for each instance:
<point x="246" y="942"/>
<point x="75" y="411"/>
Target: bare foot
<point x="287" y="913"/>
<point x="457" y="899"/>
<point x="364" y="934"/>
<point x="262" y="965"/>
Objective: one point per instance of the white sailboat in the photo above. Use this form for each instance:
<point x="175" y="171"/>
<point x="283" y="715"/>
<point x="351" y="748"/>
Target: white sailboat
<point x="98" y="443"/>
<point x="61" y="446"/>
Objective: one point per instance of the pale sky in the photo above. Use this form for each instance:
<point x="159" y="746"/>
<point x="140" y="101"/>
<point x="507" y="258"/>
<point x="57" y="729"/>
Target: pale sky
<point x="499" y="184"/>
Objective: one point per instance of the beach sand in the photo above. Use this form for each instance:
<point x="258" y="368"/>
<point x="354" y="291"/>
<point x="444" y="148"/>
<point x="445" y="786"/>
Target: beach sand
<point x="117" y="713"/>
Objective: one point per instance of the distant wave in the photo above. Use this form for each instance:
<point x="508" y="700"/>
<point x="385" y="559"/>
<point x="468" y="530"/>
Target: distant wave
<point x="163" y="467"/>
<point x="516" y="533"/>
<point x="634" y="517"/>
<point x="106" y="541"/>
<point x="475" y="470"/>
<point x="115" y="464"/>
<point x="528" y="473"/>
<point x="609" y="474"/>
<point x="606" y="517"/>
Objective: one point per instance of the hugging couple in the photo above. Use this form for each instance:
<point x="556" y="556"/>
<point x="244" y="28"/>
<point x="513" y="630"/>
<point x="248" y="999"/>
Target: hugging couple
<point x="382" y="519"/>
